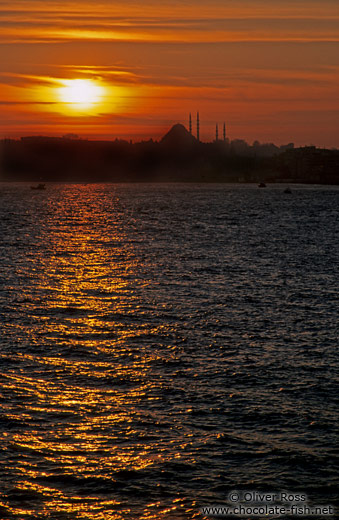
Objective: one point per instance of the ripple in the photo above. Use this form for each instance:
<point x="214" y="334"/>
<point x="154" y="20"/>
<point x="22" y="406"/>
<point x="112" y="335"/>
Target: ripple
<point x="163" y="345"/>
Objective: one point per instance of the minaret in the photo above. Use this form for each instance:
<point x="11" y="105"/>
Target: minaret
<point x="224" y="132"/>
<point x="216" y="133"/>
<point x="198" y="127"/>
<point x="190" y="124"/>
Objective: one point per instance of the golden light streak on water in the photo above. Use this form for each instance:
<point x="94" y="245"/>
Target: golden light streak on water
<point x="117" y="403"/>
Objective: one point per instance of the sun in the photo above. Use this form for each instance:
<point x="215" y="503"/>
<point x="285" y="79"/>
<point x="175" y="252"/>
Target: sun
<point x="80" y="94"/>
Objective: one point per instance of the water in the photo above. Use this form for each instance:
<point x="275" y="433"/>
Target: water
<point x="164" y="344"/>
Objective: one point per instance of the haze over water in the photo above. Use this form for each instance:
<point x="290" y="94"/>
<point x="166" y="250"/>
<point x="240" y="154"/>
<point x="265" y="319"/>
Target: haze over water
<point x="165" y="344"/>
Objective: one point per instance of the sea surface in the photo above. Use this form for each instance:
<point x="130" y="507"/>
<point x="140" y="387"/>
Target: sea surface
<point x="164" y="344"/>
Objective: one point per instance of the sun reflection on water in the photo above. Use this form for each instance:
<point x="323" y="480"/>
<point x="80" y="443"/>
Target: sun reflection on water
<point x="83" y="390"/>
<point x="139" y="372"/>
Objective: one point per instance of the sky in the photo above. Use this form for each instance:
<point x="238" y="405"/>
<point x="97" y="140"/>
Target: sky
<point x="120" y="69"/>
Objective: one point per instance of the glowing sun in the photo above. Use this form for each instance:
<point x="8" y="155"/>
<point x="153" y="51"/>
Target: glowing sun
<point x="80" y="94"/>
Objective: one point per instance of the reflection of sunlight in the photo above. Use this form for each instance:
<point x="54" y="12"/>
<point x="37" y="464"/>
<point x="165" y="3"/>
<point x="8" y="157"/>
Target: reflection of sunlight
<point x="86" y="378"/>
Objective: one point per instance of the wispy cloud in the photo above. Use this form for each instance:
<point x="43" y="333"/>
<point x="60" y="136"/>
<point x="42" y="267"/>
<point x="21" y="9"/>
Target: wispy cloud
<point x="134" y="22"/>
<point x="21" y="103"/>
<point x="256" y="61"/>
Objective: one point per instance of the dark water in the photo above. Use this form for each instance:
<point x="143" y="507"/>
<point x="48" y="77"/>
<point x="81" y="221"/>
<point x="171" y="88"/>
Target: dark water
<point x="162" y="345"/>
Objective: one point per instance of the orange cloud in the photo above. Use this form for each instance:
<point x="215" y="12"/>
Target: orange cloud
<point x="263" y="66"/>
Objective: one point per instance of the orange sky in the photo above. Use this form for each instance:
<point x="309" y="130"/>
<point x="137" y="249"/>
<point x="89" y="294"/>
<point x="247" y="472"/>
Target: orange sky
<point x="269" y="69"/>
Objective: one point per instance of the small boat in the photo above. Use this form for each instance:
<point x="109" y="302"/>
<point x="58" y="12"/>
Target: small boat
<point x="288" y="190"/>
<point x="262" y="185"/>
<point x="39" y="187"/>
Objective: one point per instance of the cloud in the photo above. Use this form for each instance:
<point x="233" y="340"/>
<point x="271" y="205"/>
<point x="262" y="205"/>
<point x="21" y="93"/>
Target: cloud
<point x="245" y="58"/>
<point x="13" y="103"/>
<point x="181" y="22"/>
